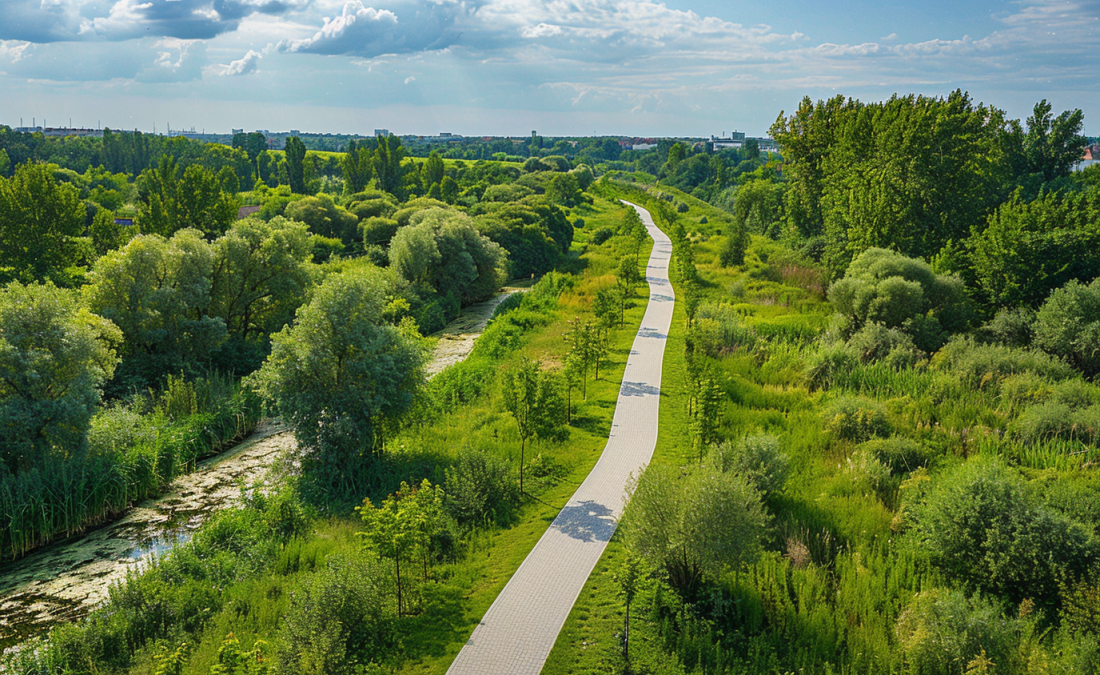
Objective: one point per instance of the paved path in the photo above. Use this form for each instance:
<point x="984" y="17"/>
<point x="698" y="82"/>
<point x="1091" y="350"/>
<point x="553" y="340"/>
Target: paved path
<point x="521" y="626"/>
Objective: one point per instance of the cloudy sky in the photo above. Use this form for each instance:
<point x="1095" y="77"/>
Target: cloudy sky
<point x="577" y="67"/>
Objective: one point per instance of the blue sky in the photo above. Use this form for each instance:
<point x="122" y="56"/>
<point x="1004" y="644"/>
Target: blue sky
<point x="563" y="67"/>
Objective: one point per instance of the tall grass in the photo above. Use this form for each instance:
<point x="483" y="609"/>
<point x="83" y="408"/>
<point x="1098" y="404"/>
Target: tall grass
<point x="130" y="458"/>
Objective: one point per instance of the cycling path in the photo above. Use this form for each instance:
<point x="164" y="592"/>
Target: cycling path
<point x="521" y="626"/>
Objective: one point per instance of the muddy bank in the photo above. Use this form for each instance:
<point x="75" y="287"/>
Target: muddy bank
<point x="65" y="581"/>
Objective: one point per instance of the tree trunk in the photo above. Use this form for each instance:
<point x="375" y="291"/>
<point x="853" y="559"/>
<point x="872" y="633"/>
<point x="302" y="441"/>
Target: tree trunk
<point x="522" y="444"/>
<point x="397" y="562"/>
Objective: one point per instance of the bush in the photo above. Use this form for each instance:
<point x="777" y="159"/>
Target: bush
<point x="828" y="364"/>
<point x="871" y="473"/>
<point x="898" y="453"/>
<point x="941" y="632"/>
<point x="982" y="526"/>
<point x="339" y="620"/>
<point x="718" y="330"/>
<point x="979" y="365"/>
<point x="757" y="458"/>
<point x="601" y="235"/>
<point x="875" y="342"/>
<point x="1057" y="420"/>
<point x="1011" y="327"/>
<point x="480" y="488"/>
<point x="1068" y="325"/>
<point x="854" y="419"/>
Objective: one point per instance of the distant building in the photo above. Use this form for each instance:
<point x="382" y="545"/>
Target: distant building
<point x="643" y="146"/>
<point x="295" y="132"/>
<point x="382" y="132"/>
<point x="126" y="222"/>
<point x="238" y="131"/>
<point x="1091" y="158"/>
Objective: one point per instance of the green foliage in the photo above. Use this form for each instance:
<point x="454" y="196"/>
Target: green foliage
<point x="718" y="330"/>
<point x="885" y="287"/>
<point x="295" y="151"/>
<point x="601" y="235"/>
<point x="480" y="488"/>
<point x="357" y="166"/>
<point x="694" y="525"/>
<point x="757" y="458"/>
<point x="1068" y="325"/>
<point x="1029" y="248"/>
<point x="54" y="357"/>
<point x="171" y="200"/>
<point x="324" y="217"/>
<point x="875" y="342"/>
<point x="944" y="633"/>
<point x="982" y="526"/>
<point x="40" y="220"/>
<point x="339" y="372"/>
<point x="532" y="397"/>
<point x="854" y="419"/>
<point x="899" y="453"/>
<point x="979" y="365"/>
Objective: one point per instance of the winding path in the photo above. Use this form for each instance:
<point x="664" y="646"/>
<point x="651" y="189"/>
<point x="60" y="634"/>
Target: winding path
<point x="521" y="626"/>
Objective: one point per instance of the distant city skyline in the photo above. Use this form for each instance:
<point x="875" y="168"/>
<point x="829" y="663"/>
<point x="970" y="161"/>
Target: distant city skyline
<point x="689" y="68"/>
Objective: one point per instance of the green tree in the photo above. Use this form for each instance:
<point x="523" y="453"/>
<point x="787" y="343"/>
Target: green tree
<point x="157" y="291"/>
<point x="40" y="220"/>
<point x="694" y="524"/>
<point x="170" y="200"/>
<point x="1053" y="144"/>
<point x="579" y="338"/>
<point x="260" y="275"/>
<point x="941" y="632"/>
<point x="402" y="526"/>
<point x="434" y="169"/>
<point x="442" y="249"/>
<point x="295" y="162"/>
<point x="628" y="577"/>
<point x="54" y="356"/>
<point x="626" y="284"/>
<point x="357" y="165"/>
<point x="389" y="171"/>
<point x="530" y="395"/>
<point x="324" y="217"/>
<point x="340" y="372"/>
<point x="606" y="308"/>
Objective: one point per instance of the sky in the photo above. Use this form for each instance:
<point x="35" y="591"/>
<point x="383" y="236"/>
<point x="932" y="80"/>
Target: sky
<point x="508" y="67"/>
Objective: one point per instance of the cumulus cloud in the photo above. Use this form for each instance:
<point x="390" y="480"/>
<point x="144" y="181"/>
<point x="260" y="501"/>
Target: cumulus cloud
<point x="368" y="32"/>
<point x="249" y="63"/>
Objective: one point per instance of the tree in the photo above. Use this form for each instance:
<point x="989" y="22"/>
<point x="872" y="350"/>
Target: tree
<point x="598" y="345"/>
<point x="441" y="248"/>
<point x="54" y="356"/>
<point x="324" y="217"/>
<point x="626" y="283"/>
<point x="403" y="524"/>
<point x="340" y="372"/>
<point x="40" y="220"/>
<point x="260" y="275"/>
<point x="295" y="163"/>
<point x="1053" y="144"/>
<point x="357" y="165"/>
<point x="388" y="170"/>
<point x="606" y="308"/>
<point x="941" y="632"/>
<point x="157" y="291"/>
<point x="531" y="397"/>
<point x="579" y="337"/>
<point x="694" y="525"/>
<point x="628" y="576"/>
<point x="434" y="169"/>
<point x="171" y="201"/>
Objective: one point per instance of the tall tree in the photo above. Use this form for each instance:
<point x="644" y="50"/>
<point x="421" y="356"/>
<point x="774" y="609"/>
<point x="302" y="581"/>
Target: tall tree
<point x="388" y="169"/>
<point x="40" y="220"/>
<point x="357" y="166"/>
<point x="295" y="164"/>
<point x="1054" y="144"/>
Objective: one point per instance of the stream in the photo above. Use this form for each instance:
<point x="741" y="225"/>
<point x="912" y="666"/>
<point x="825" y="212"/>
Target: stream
<point x="65" y="581"/>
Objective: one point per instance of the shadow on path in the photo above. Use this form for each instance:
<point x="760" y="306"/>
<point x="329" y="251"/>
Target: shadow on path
<point x="587" y="521"/>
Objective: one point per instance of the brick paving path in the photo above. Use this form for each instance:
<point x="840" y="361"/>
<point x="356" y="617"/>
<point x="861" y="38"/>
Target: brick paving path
<point x="520" y="628"/>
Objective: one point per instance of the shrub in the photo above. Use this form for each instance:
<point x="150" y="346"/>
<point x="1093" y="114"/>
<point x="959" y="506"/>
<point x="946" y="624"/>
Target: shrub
<point x="886" y="287"/>
<point x="982" y="526"/>
<point x="718" y="329"/>
<point x="682" y="207"/>
<point x="871" y="473"/>
<point x="1068" y="325"/>
<point x="1011" y="327"/>
<point x="898" y="453"/>
<point x="601" y="235"/>
<point x="941" y="632"/>
<point x="1056" y="420"/>
<point x="480" y="487"/>
<point x="338" y="620"/>
<point x="757" y="458"/>
<point x="854" y="419"/>
<point x="828" y="364"/>
<point x="979" y="365"/>
<point x="875" y="342"/>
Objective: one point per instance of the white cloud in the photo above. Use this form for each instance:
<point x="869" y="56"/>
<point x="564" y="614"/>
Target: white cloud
<point x="13" y="50"/>
<point x="249" y="63"/>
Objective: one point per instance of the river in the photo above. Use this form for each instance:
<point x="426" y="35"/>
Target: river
<point x="65" y="581"/>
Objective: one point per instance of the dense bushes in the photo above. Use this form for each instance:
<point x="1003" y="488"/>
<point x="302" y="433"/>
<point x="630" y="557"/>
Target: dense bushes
<point x="1068" y="325"/>
<point x="981" y="525"/>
